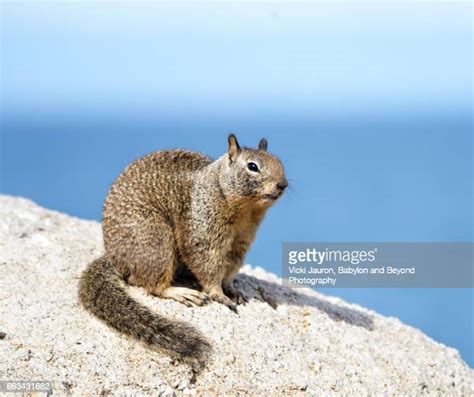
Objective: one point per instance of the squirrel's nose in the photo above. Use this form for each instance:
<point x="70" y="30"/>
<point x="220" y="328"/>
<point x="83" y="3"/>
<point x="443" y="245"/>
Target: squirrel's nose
<point x="282" y="184"/>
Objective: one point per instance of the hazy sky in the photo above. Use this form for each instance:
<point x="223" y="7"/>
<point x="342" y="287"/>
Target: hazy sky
<point x="244" y="57"/>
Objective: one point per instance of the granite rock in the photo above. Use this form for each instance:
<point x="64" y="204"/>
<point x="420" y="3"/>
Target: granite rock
<point x="282" y="342"/>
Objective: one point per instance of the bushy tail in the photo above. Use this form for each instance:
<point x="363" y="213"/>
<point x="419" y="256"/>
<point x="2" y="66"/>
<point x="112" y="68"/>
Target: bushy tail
<point x="102" y="292"/>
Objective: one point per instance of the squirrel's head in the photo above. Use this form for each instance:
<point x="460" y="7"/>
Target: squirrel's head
<point x="252" y="174"/>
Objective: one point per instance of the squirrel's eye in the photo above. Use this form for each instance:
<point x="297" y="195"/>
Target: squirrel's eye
<point x="252" y="167"/>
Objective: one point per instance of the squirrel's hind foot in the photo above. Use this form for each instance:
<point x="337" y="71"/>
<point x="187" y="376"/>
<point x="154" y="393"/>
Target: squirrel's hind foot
<point x="186" y="296"/>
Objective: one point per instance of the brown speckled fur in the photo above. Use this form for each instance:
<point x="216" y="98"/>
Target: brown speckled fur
<point x="174" y="212"/>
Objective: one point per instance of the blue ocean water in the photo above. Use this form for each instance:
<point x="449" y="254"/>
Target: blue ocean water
<point x="396" y="178"/>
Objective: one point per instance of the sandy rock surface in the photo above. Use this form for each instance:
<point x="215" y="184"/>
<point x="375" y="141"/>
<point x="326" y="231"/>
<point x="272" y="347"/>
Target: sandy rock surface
<point x="283" y="342"/>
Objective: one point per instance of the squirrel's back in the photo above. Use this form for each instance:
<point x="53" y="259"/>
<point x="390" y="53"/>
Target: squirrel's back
<point x="155" y="179"/>
<point x="160" y="181"/>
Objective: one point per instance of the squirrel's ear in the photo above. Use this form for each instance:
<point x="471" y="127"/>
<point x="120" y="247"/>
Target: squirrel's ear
<point x="263" y="144"/>
<point x="234" y="147"/>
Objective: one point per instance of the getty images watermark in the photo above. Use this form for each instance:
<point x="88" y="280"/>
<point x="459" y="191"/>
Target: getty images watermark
<point x="378" y="265"/>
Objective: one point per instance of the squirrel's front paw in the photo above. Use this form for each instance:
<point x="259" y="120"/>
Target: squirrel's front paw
<point x="234" y="294"/>
<point x="221" y="298"/>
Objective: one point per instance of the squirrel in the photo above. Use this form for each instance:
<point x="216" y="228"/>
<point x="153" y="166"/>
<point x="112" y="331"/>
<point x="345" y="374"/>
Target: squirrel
<point x="178" y="212"/>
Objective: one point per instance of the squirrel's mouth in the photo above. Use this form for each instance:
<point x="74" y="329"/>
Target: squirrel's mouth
<point x="272" y="197"/>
